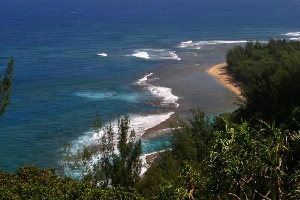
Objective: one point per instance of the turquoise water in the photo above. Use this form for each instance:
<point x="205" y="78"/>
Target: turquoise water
<point x="75" y="57"/>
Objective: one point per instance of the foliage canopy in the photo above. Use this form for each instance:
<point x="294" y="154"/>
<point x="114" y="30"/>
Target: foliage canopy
<point x="270" y="74"/>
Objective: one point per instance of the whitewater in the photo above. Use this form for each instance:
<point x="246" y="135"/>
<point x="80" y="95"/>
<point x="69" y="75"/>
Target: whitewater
<point x="145" y="59"/>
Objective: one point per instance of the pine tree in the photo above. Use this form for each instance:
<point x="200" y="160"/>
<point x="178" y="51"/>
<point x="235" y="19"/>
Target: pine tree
<point x="5" y="86"/>
<point x="126" y="165"/>
<point x="119" y="162"/>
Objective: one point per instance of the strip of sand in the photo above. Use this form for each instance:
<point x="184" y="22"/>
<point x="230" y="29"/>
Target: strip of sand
<point x="218" y="71"/>
<point x="221" y="73"/>
<point x="189" y="84"/>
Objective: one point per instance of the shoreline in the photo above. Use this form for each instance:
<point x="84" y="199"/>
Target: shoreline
<point x="222" y="76"/>
<point x="220" y="72"/>
<point x="161" y="129"/>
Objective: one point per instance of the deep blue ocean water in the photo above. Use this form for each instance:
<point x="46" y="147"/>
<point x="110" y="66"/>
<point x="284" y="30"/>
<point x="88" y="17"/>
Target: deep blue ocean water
<point x="75" y="57"/>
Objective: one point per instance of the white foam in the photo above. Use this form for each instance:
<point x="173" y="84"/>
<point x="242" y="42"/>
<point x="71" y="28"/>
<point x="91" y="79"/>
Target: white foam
<point x="141" y="123"/>
<point x="141" y="54"/>
<point x="156" y="54"/>
<point x="161" y="92"/>
<point x="292" y="34"/>
<point x="102" y="54"/>
<point x="143" y="80"/>
<point x="164" y="93"/>
<point x="138" y="123"/>
<point x="145" y="166"/>
<point x="187" y="42"/>
<point x="199" y="44"/>
<point x="295" y="38"/>
<point x="173" y="56"/>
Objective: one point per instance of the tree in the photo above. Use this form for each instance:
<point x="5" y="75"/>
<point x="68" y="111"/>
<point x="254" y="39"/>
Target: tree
<point x="117" y="153"/>
<point x="251" y="163"/>
<point x="102" y="170"/>
<point x="190" y="144"/>
<point x="270" y="74"/>
<point x="187" y="189"/>
<point x="5" y="86"/>
<point x="32" y="183"/>
<point x="127" y="164"/>
<point x="242" y="162"/>
<point x="189" y="141"/>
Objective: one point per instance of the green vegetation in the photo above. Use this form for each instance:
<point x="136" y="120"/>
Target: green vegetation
<point x="190" y="145"/>
<point x="5" y="85"/>
<point x="242" y="162"/>
<point x="32" y="183"/>
<point x="251" y="153"/>
<point x="122" y="168"/>
<point x="118" y="165"/>
<point x="270" y="74"/>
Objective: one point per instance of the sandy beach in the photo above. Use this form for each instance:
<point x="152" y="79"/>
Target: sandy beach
<point x="220" y="72"/>
<point x="197" y="88"/>
<point x="190" y="85"/>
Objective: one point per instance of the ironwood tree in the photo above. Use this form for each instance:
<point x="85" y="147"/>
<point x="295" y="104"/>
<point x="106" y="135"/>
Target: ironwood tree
<point x="5" y="86"/>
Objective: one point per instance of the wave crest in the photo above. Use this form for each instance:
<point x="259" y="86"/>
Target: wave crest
<point x="102" y="54"/>
<point x="138" y="123"/>
<point x="293" y="35"/>
<point x="162" y="92"/>
<point x="141" y="54"/>
<point x="155" y="54"/>
<point x="199" y="44"/>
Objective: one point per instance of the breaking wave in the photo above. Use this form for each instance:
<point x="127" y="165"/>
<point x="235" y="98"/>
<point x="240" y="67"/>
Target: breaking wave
<point x="162" y="92"/>
<point x="138" y="122"/>
<point x="102" y="54"/>
<point x="199" y="44"/>
<point x="293" y="35"/>
<point x="155" y="54"/>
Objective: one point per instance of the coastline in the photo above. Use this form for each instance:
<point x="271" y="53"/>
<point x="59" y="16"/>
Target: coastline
<point x="161" y="129"/>
<point x="185" y="83"/>
<point x="220" y="72"/>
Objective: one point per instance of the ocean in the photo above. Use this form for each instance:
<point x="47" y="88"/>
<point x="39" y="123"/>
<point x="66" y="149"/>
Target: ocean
<point x="121" y="57"/>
